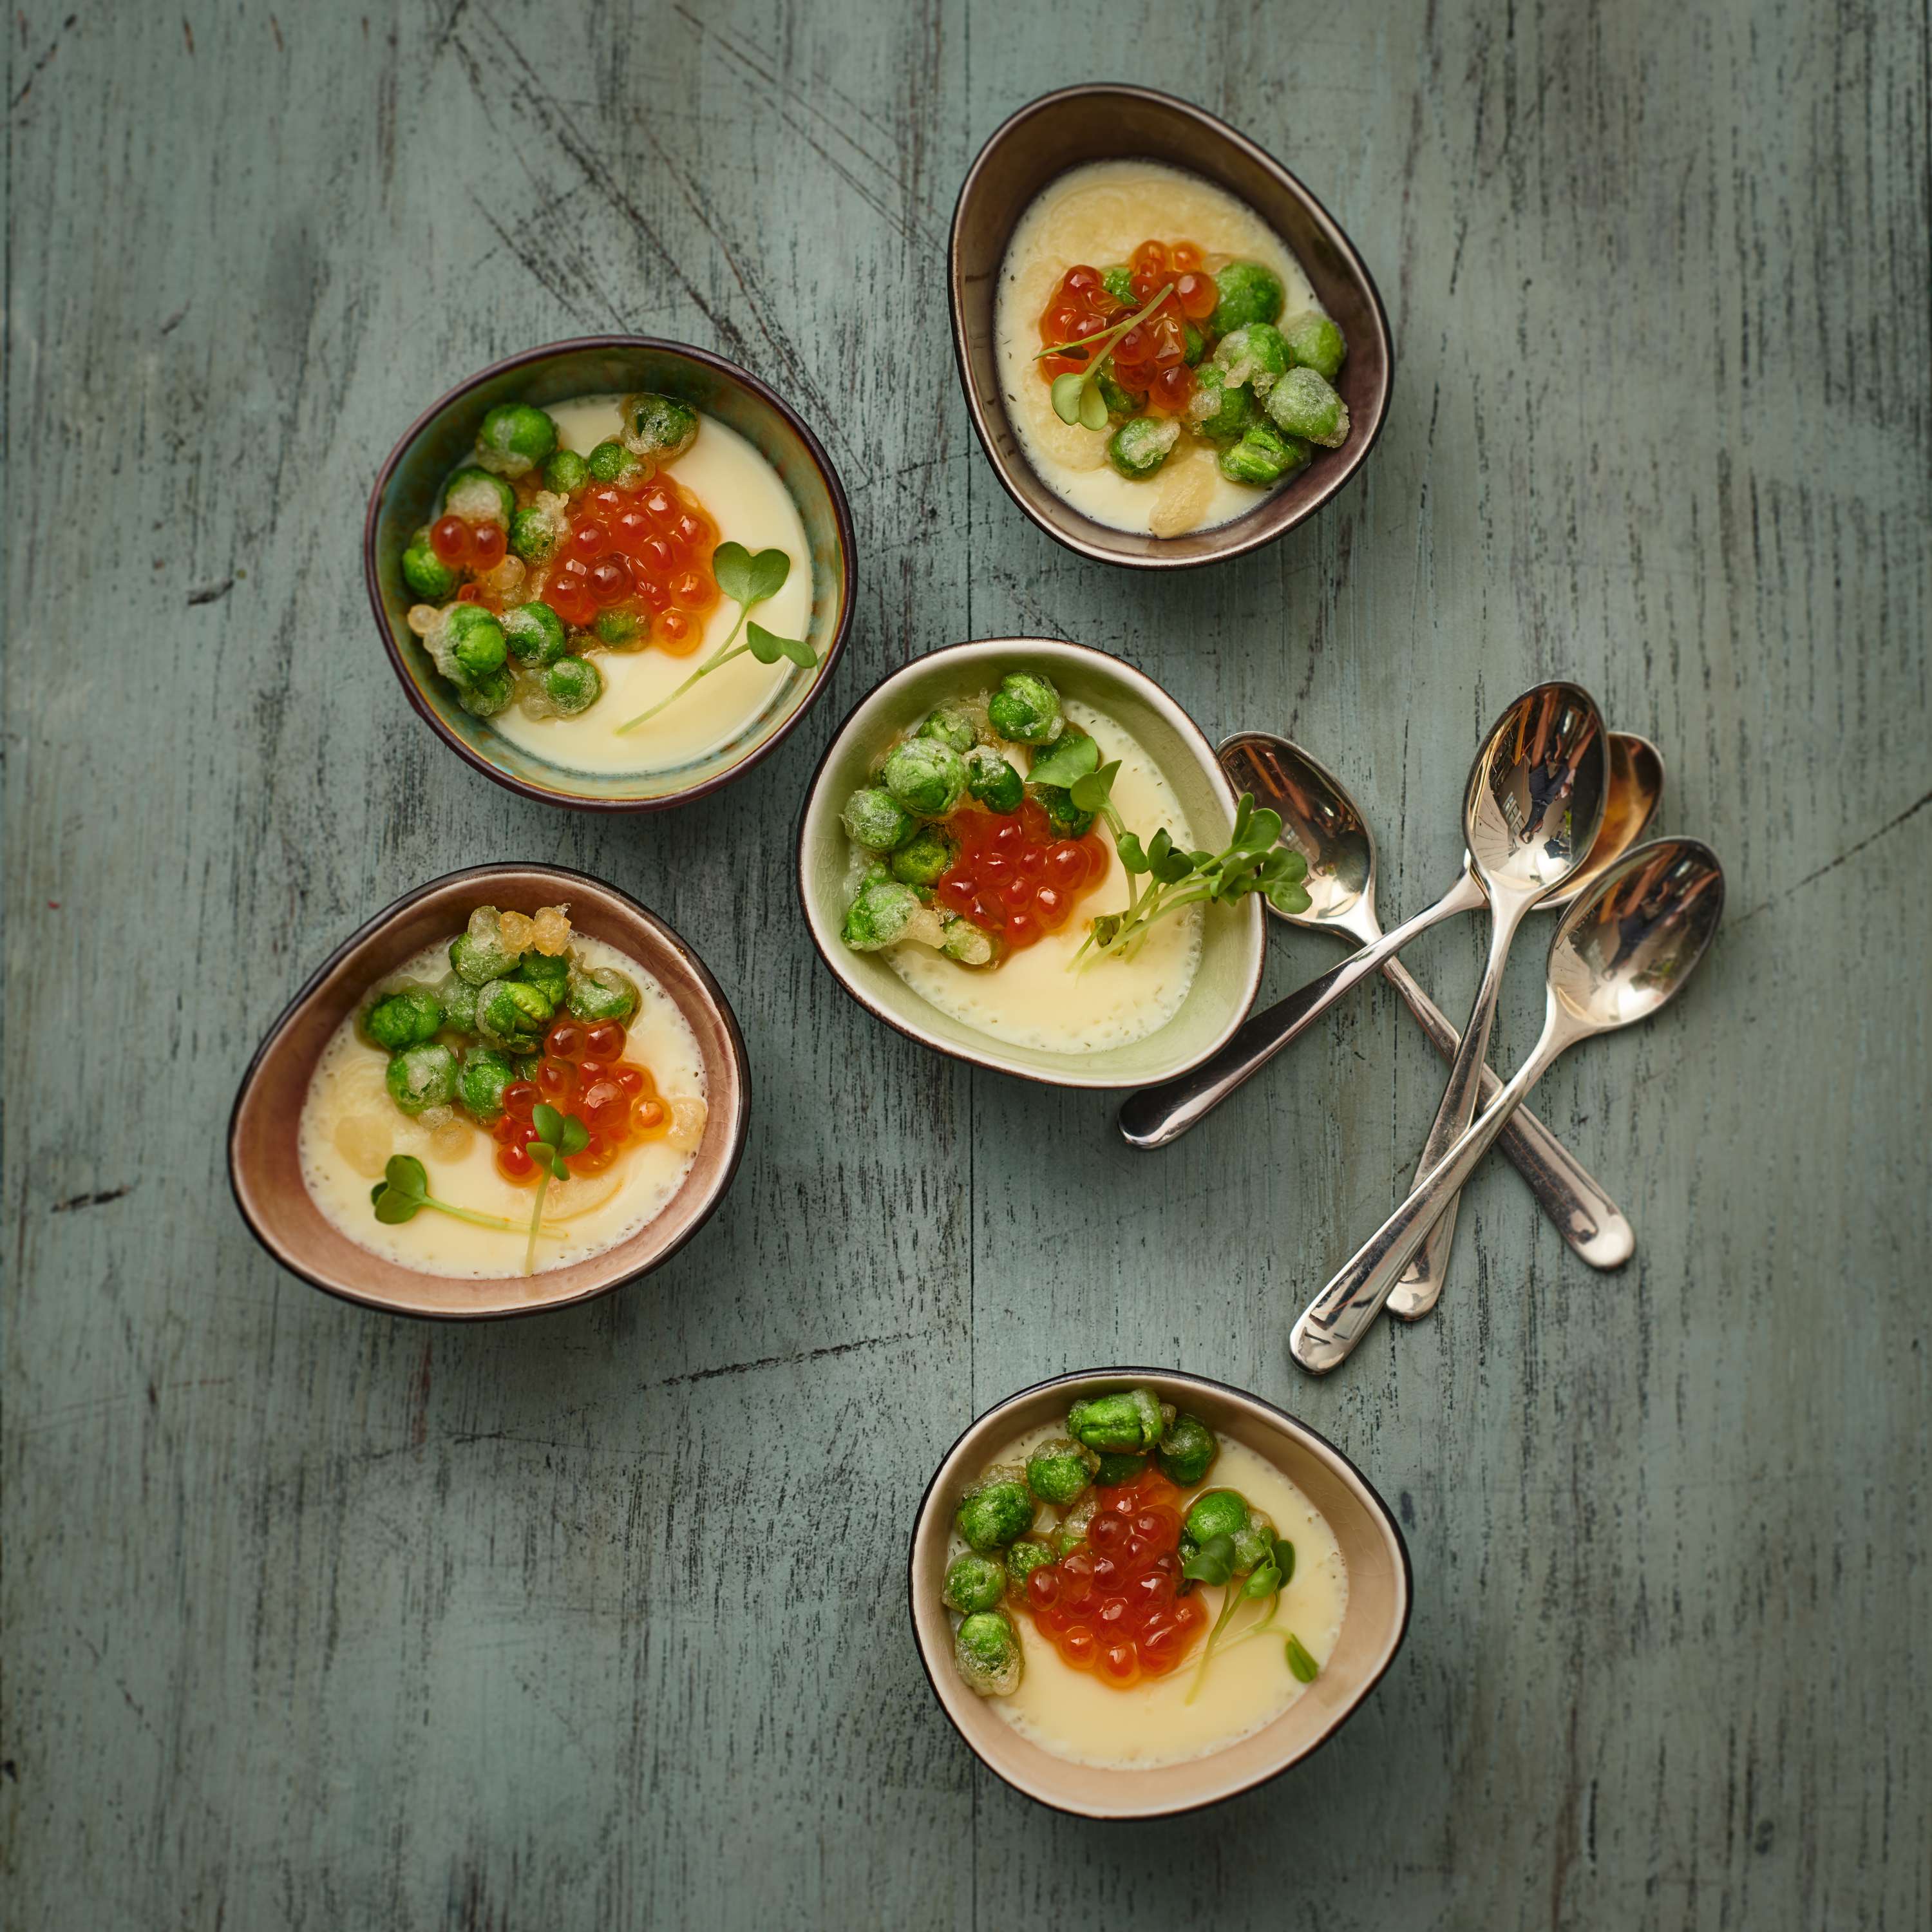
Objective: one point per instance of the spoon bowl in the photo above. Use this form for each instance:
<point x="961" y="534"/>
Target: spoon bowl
<point x="1536" y="793"/>
<point x="1319" y="820"/>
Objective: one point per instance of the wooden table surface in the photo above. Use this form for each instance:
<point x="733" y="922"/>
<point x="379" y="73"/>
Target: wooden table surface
<point x="317" y="1619"/>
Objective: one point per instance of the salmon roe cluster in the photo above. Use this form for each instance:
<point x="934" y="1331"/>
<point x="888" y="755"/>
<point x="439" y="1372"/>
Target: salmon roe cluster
<point x="641" y="552"/>
<point x="1112" y="1606"/>
<point x="1016" y="875"/>
<point x="1151" y="359"/>
<point x="583" y="1071"/>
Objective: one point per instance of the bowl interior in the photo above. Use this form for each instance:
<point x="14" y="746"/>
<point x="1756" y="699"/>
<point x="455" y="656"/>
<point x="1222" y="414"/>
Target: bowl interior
<point x="1065" y="129"/>
<point x="264" y="1153"/>
<point x="1233" y="942"/>
<point x="1373" y="1626"/>
<point x="409" y="493"/>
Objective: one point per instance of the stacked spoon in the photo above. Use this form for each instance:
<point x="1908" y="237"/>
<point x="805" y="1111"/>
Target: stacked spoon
<point x="1553" y="805"/>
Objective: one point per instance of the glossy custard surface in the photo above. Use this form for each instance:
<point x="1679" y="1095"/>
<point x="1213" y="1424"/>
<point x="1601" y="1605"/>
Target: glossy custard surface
<point x="350" y="1127"/>
<point x="1076" y="1715"/>
<point x="1096" y="214"/>
<point x="1032" y="998"/>
<point x="744" y="495"/>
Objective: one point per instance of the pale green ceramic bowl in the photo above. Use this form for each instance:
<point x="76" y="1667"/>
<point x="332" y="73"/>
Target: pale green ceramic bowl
<point x="406" y="492"/>
<point x="1234" y="944"/>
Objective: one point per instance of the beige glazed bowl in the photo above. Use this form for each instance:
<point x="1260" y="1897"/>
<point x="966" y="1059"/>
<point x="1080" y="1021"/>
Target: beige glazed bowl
<point x="264" y="1151"/>
<point x="1373" y="1628"/>
<point x="1234" y="944"/>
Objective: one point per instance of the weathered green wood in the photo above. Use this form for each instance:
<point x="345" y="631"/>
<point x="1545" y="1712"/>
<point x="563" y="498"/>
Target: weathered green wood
<point x="319" y="1620"/>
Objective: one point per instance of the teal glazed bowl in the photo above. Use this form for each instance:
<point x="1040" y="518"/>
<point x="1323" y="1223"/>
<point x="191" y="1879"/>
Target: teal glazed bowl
<point x="406" y="494"/>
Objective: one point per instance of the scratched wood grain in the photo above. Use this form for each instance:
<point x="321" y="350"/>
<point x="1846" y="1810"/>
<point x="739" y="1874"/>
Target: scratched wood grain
<point x="318" y="1620"/>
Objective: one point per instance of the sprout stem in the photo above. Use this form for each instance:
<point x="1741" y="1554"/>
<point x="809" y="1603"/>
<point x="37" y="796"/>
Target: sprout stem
<point x="709" y="664"/>
<point x="1109" y="335"/>
<point x="478" y="1220"/>
<point x="536" y="1219"/>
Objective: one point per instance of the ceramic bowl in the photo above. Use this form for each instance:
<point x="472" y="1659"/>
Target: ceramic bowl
<point x="1380" y="1586"/>
<point x="1101" y="123"/>
<point x="1235" y="944"/>
<point x="264" y="1155"/>
<point x="406" y="492"/>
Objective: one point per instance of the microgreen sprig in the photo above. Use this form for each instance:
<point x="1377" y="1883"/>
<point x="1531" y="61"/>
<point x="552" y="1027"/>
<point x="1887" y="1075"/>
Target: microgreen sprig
<point x="1213" y="1563"/>
<point x="1076" y="395"/>
<point x="1254" y="860"/>
<point x="403" y="1192"/>
<point x="746" y="579"/>
<point x="558" y="1134"/>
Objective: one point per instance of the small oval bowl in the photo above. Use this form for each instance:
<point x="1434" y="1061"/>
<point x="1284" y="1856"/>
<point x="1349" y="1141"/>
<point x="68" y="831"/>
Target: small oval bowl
<point x="1105" y="122"/>
<point x="264" y="1151"/>
<point x="406" y="490"/>
<point x="1235" y="944"/>
<point x="1380" y="1589"/>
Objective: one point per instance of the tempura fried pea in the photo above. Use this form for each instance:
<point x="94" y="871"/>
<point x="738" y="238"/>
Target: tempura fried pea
<point x="420" y="1077"/>
<point x="478" y="497"/>
<point x="1128" y="1422"/>
<point x="927" y="778"/>
<point x="549" y="973"/>
<point x="404" y="1019"/>
<point x="924" y="858"/>
<point x="658" y="427"/>
<point x="974" y="1583"/>
<point x="1025" y="709"/>
<point x="1303" y="403"/>
<point x="1256" y="356"/>
<point x="515" y="438"/>
<point x="1066" y="818"/>
<point x="1075" y="1524"/>
<point x="478" y="953"/>
<point x="1254" y="1543"/>
<point x="534" y="535"/>
<point x="476" y="640"/>
<point x="1116" y="1469"/>
<point x="1187" y="1451"/>
<point x="486" y="1073"/>
<point x="1316" y="341"/>
<point x="512" y="1015"/>
<point x="1219" y="410"/>
<point x="621" y="630"/>
<point x="879" y="915"/>
<point x="573" y="685"/>
<point x="987" y="1655"/>
<point x="1194" y="346"/>
<point x="1264" y="456"/>
<point x="485" y="696"/>
<point x="1248" y="293"/>
<point x="610" y="462"/>
<point x="992" y="781"/>
<point x="459" y="1004"/>
<point x="960" y="939"/>
<point x="951" y="726"/>
<point x="994" y="1512"/>
<point x="1023" y="1559"/>
<point x="1141" y="444"/>
<point x="1120" y="401"/>
<point x="535" y="633"/>
<point x="566" y="473"/>
<point x="876" y="821"/>
<point x="1060" y="1471"/>
<point x="1220" y="1513"/>
<point x="426" y="573"/>
<point x="602" y="993"/>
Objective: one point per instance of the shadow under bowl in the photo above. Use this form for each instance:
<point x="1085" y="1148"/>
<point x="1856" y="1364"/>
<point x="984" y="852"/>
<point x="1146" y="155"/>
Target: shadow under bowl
<point x="1103" y="122"/>
<point x="1233" y="942"/>
<point x="409" y="488"/>
<point x="1380" y="1589"/>
<point x="264" y="1133"/>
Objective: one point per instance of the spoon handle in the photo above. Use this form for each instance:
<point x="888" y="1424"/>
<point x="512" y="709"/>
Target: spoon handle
<point x="1338" y="1318"/>
<point x="1156" y="1115"/>
<point x="1584" y="1215"/>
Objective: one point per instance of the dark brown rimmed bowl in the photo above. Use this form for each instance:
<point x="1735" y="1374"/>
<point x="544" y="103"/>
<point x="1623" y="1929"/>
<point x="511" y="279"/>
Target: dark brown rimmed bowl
<point x="1104" y="123"/>
<point x="264" y="1153"/>
<point x="1380" y="1590"/>
<point x="410" y="482"/>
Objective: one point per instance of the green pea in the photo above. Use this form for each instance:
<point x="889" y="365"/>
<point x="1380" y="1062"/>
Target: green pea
<point x="993" y="781"/>
<point x="549" y="973"/>
<point x="1118" y="281"/>
<point x="1025" y="709"/>
<point x="566" y="473"/>
<point x="987" y="1654"/>
<point x="476" y="639"/>
<point x="927" y="778"/>
<point x="879" y="915"/>
<point x="1256" y="356"/>
<point x="1220" y="1513"/>
<point x="1023" y="1559"/>
<point x="876" y="821"/>
<point x="658" y="427"/>
<point x="950" y="726"/>
<point x="1303" y="404"/>
<point x="1263" y="457"/>
<point x="1249" y="293"/>
<point x="573" y="685"/>
<point x="1060" y="1471"/>
<point x="974" y="1583"/>
<point x="610" y="462"/>
<point x="486" y="1073"/>
<point x="995" y="1512"/>
<point x="517" y="438"/>
<point x="426" y="573"/>
<point x="1219" y="410"/>
<point x="512" y="1014"/>
<point x="1315" y="341"/>
<point x="486" y="695"/>
<point x="925" y="858"/>
<point x="422" y="1077"/>
<point x="1187" y="1451"/>
<point x="535" y="633"/>
<point x="1141" y="444"/>
<point x="534" y="535"/>
<point x="478" y="497"/>
<point x="1129" y="1422"/>
<point x="603" y="993"/>
<point x="1116" y="1469"/>
<point x="621" y="630"/>
<point x="404" y="1019"/>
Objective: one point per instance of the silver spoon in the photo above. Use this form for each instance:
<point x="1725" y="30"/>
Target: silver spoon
<point x="1323" y="823"/>
<point x="1156" y="1115"/>
<point x="1530" y="817"/>
<point x="1623" y="949"/>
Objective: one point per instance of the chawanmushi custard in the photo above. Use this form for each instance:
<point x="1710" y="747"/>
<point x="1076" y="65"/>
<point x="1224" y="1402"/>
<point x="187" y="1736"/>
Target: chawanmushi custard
<point x="1101" y="1560"/>
<point x="552" y="1083"/>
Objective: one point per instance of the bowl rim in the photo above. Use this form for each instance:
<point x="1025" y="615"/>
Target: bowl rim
<point x="1291" y="1425"/>
<point x="1358" y="448"/>
<point x="565" y="799"/>
<point x="993" y="1059"/>
<point x="734" y="1040"/>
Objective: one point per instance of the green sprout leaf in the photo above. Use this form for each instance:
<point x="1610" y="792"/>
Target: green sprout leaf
<point x="1264" y="1580"/>
<point x="1213" y="1562"/>
<point x="561" y="1134"/>
<point x="404" y="1191"/>
<point x="1304" y="1667"/>
<point x="1284" y="1560"/>
<point x="1093" y="407"/>
<point x="1095" y="792"/>
<point x="746" y="579"/>
<point x="1076" y="395"/>
<point x="1066" y="764"/>
<point x="1068" y="392"/>
<point x="768" y="649"/>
